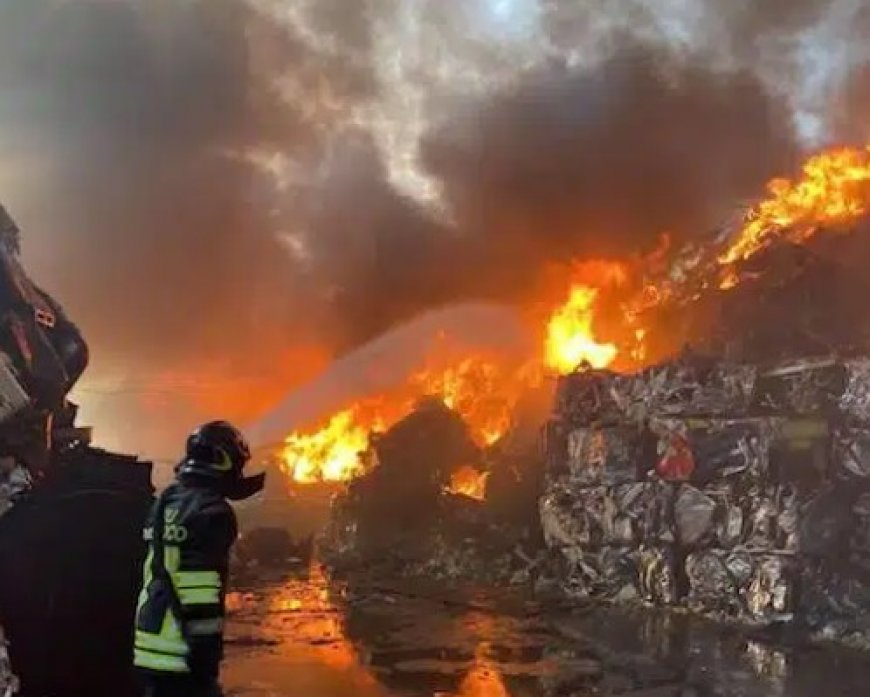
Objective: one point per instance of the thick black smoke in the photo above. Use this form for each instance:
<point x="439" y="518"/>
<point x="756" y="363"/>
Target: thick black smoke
<point x="566" y="164"/>
<point x="134" y="138"/>
<point x="156" y="243"/>
<point x="579" y="164"/>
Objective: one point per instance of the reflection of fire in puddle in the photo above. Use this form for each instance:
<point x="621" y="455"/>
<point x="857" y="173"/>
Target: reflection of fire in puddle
<point x="309" y="650"/>
<point x="305" y="612"/>
<point x="380" y="643"/>
<point x="458" y="654"/>
<point x="484" y="678"/>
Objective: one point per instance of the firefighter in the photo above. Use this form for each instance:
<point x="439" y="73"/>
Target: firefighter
<point x="191" y="528"/>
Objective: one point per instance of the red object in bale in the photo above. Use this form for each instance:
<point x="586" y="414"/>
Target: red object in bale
<point x="677" y="463"/>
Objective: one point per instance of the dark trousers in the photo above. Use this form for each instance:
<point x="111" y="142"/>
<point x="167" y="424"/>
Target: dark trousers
<point x="171" y="685"/>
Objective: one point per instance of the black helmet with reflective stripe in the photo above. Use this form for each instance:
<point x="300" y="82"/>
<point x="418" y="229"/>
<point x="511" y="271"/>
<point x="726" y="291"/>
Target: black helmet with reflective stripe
<point x="218" y="451"/>
<point x="220" y="446"/>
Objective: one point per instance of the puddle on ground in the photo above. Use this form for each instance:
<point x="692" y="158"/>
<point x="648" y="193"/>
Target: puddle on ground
<point x="305" y="636"/>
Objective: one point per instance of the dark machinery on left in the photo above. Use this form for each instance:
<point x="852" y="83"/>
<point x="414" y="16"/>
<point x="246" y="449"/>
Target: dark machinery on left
<point x="70" y="514"/>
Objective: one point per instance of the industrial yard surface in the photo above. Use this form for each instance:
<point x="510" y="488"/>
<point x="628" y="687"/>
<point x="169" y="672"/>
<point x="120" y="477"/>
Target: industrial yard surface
<point x="304" y="636"/>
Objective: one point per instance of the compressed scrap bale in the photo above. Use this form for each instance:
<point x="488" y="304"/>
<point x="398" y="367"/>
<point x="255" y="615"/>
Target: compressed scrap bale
<point x="799" y="450"/>
<point x="854" y="401"/>
<point x="824" y="386"/>
<point x="657" y="578"/>
<point x="788" y="518"/>
<point x="825" y="524"/>
<point x="778" y="517"/>
<point x="713" y="585"/>
<point x="603" y="455"/>
<point x="852" y="453"/>
<point x="750" y="458"/>
<point x="724" y="448"/>
<point x="734" y="450"/>
<point x="693" y="515"/>
<point x="806" y="386"/>
<point x="746" y="449"/>
<point x="859" y="542"/>
<point x="728" y="518"/>
<point x="606" y="573"/>
<point x="688" y="386"/>
<point x="734" y="470"/>
<point x="760" y="528"/>
<point x="835" y="605"/>
<point x="676" y="463"/>
<point x="638" y="512"/>
<point x="757" y="587"/>
<point x="585" y="397"/>
<point x="570" y="518"/>
<point x="627" y="514"/>
<point x="771" y="592"/>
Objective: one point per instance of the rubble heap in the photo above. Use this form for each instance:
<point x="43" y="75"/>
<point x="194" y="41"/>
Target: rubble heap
<point x="734" y="490"/>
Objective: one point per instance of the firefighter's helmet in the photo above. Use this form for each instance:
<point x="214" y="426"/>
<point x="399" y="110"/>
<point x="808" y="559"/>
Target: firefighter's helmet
<point x="217" y="450"/>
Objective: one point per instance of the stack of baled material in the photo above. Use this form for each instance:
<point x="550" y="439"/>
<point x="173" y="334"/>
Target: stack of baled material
<point x="734" y="490"/>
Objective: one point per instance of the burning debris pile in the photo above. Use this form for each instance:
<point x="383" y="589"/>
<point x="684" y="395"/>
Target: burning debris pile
<point x="732" y="478"/>
<point x="728" y="479"/>
<point x="730" y="488"/>
<point x="434" y="503"/>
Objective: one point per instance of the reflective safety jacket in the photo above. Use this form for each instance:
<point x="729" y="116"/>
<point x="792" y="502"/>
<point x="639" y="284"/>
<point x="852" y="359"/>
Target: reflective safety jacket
<point x="180" y="613"/>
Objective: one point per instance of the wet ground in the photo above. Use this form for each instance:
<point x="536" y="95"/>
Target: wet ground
<point x="303" y="636"/>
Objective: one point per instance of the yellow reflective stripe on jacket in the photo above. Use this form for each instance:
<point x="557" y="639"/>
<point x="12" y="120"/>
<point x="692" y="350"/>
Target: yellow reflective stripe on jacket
<point x="164" y="651"/>
<point x="197" y="579"/>
<point x="199" y="596"/>
<point x="163" y="644"/>
<point x="146" y="581"/>
<point x="159" y="662"/>
<point x="171" y="558"/>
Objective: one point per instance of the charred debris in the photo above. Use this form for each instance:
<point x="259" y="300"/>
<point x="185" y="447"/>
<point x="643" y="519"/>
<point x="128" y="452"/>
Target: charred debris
<point x="732" y="480"/>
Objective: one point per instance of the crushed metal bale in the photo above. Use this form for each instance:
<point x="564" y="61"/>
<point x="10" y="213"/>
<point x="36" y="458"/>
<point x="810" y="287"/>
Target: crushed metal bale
<point x="736" y="491"/>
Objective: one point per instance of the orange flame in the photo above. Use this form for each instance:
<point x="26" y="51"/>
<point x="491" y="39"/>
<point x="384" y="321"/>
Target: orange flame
<point x="570" y="339"/>
<point x="469" y="482"/>
<point x="833" y="191"/>
<point x="481" y="389"/>
<point x="331" y="454"/>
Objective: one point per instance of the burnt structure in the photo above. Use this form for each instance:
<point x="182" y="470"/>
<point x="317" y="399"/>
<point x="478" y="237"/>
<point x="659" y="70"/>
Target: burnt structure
<point x="70" y="514"/>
